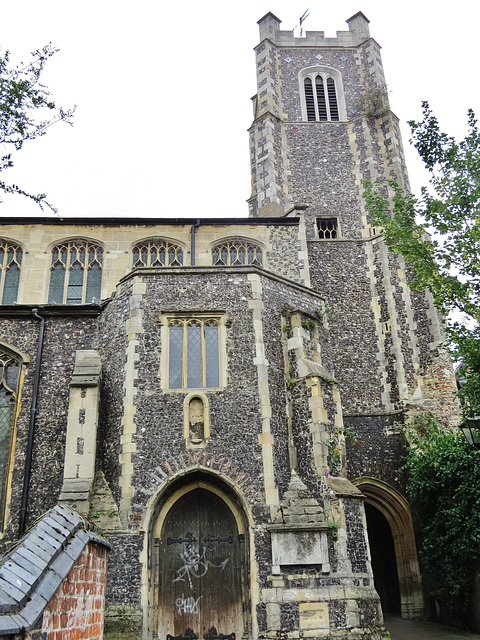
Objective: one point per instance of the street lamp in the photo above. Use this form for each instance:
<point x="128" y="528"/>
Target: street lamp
<point x="471" y="431"/>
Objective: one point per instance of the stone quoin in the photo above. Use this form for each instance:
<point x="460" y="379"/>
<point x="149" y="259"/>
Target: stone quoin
<point x="224" y="398"/>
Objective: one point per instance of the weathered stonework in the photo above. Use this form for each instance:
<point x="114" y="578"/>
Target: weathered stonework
<point x="253" y="485"/>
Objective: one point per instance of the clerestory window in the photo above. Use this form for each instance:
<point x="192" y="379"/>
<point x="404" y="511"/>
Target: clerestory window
<point x="157" y="253"/>
<point x="196" y="347"/>
<point x="9" y="378"/>
<point x="10" y="264"/>
<point x="76" y="272"/>
<point x="235" y="253"/>
<point x="322" y="95"/>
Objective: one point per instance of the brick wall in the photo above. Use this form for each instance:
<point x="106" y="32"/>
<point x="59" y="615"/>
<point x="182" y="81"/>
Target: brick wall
<point x="76" y="611"/>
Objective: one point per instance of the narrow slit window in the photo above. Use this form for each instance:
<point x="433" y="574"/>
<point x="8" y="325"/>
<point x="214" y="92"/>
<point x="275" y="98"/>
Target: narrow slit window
<point x="10" y="264"/>
<point x="322" y="105"/>
<point x="9" y="378"/>
<point x="309" y="100"/>
<point x="332" y="99"/>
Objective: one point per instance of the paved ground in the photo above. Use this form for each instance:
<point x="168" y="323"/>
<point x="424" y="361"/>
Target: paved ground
<point x="421" y="630"/>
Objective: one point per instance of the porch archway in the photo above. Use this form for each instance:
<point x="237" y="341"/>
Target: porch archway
<point x="396" y="511"/>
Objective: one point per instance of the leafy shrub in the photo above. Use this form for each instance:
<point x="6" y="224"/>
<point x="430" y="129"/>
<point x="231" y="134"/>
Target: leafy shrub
<point x="444" y="486"/>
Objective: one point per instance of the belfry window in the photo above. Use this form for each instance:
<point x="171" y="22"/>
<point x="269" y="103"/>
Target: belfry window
<point x="233" y="253"/>
<point x="76" y="272"/>
<point x="157" y="253"/>
<point x="10" y="264"/>
<point x="327" y="228"/>
<point x="9" y="377"/>
<point x="196" y="352"/>
<point x="321" y="98"/>
<point x="321" y="94"/>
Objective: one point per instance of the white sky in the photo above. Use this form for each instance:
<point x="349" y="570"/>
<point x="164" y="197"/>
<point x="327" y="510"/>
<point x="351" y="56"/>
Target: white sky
<point x="163" y="94"/>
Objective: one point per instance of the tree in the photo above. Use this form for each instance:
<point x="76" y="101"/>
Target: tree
<point x="439" y="236"/>
<point x="444" y="486"/>
<point x="26" y="111"/>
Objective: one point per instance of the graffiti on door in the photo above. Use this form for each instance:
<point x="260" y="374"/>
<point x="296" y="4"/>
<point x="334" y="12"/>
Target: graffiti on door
<point x="195" y="561"/>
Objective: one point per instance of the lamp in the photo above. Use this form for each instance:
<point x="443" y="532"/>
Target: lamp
<point x="471" y="431"/>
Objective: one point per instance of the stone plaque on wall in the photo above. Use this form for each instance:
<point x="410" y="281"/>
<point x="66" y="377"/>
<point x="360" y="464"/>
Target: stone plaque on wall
<point x="299" y="546"/>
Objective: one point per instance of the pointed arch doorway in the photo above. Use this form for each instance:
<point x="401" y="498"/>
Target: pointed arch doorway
<point x="199" y="567"/>
<point x="393" y="548"/>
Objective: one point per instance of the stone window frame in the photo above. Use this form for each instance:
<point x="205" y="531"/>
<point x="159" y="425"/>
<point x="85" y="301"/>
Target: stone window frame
<point x="11" y="255"/>
<point x="326" y="73"/>
<point x="337" y="227"/>
<point x="178" y="248"/>
<point x="63" y="263"/>
<point x="9" y="356"/>
<point x="230" y="240"/>
<point x="186" y="319"/>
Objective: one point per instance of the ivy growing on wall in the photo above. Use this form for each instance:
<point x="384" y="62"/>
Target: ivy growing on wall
<point x="444" y="486"/>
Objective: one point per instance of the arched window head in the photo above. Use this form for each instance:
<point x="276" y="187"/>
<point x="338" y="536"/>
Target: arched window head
<point x="235" y="253"/>
<point x="321" y="90"/>
<point x="76" y="273"/>
<point x="9" y="376"/>
<point x="157" y="253"/>
<point x="10" y="264"/>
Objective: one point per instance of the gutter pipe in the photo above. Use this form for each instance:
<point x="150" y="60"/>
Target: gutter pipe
<point x="31" y="427"/>
<point x="192" y="241"/>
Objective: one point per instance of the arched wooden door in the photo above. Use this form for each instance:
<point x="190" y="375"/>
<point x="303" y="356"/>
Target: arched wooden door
<point x="200" y="582"/>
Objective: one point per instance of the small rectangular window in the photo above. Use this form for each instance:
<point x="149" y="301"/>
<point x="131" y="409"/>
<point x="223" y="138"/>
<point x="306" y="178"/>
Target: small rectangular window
<point x="327" y="228"/>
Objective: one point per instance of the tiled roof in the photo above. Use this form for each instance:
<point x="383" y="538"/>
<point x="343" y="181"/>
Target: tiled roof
<point x="33" y="570"/>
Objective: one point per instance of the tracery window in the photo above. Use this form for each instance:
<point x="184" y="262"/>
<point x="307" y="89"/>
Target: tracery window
<point x="195" y="352"/>
<point x="10" y="264"/>
<point x="327" y="228"/>
<point x="321" y="94"/>
<point x="235" y="253"/>
<point x="157" y="253"/>
<point x="321" y="98"/>
<point x="9" y="377"/>
<point x="76" y="272"/>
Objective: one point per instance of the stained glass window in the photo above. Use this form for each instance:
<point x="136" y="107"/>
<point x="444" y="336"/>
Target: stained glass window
<point x="9" y="375"/>
<point x="10" y="263"/>
<point x="234" y="253"/>
<point x="157" y="253"/>
<point x="194" y="359"/>
<point x="76" y="273"/>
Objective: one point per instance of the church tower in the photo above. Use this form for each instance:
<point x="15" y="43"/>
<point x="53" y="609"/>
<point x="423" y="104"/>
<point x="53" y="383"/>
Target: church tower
<point x="225" y="397"/>
<point x="322" y="126"/>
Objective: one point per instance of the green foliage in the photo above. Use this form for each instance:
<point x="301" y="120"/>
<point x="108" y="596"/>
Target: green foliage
<point x="372" y="101"/>
<point x="287" y="327"/>
<point x="308" y="324"/>
<point x="26" y="111"/>
<point x="439" y="234"/>
<point x="333" y="526"/>
<point x="333" y="442"/>
<point x="444" y="486"/>
<point x="324" y="313"/>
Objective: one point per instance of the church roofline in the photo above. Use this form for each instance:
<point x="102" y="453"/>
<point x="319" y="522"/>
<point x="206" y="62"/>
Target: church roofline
<point x="147" y="222"/>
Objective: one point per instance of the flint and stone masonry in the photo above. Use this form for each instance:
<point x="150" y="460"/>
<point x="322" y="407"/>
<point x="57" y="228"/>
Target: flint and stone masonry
<point x="236" y="395"/>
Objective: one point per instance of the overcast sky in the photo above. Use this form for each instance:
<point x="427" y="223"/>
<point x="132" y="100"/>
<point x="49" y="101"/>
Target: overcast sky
<point x="163" y="94"/>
